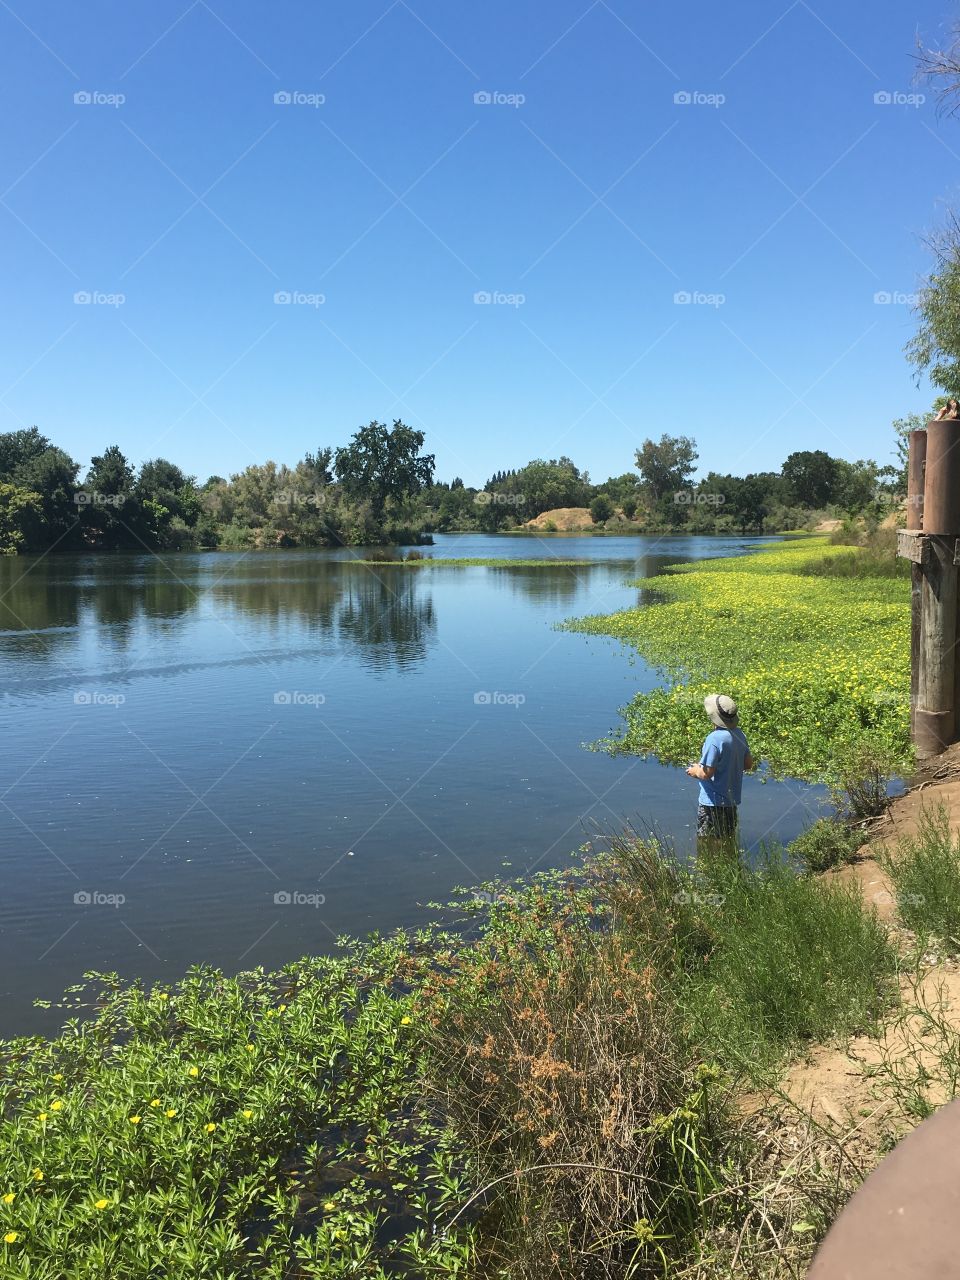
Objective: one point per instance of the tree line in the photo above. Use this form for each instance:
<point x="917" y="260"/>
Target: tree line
<point x="380" y="488"/>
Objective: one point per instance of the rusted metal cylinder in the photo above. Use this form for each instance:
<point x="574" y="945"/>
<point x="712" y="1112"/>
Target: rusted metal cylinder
<point x="915" y="469"/>
<point x="904" y="1222"/>
<point x="934" y="721"/>
<point x="941" y="480"/>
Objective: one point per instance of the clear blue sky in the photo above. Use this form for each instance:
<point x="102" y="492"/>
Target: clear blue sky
<point x="598" y="198"/>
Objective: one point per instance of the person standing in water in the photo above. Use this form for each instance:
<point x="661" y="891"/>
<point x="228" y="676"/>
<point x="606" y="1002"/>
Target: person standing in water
<point x="723" y="760"/>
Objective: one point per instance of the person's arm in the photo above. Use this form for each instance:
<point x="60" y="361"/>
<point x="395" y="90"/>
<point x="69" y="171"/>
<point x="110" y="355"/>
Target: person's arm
<point x="702" y="771"/>
<point x="705" y="770"/>
<point x="749" y="764"/>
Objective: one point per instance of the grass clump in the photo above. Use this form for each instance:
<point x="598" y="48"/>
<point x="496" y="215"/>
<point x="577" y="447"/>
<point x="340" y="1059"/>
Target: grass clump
<point x="825" y="844"/>
<point x="766" y="959"/>
<point x="925" y="873"/>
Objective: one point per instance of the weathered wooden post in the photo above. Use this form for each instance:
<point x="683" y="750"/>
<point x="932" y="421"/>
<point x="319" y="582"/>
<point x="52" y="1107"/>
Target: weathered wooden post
<point x="933" y="507"/>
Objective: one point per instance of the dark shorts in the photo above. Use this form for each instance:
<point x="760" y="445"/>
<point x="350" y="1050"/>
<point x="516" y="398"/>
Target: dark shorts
<point x="716" y="820"/>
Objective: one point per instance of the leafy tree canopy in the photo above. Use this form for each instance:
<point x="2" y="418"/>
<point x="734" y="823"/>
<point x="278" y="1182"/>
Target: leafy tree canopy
<point x="666" y="465"/>
<point x="380" y="464"/>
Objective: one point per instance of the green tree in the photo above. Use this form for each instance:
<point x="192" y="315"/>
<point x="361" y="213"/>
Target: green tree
<point x="601" y="509"/>
<point x="935" y="347"/>
<point x="53" y="475"/>
<point x="666" y="465"/>
<point x="856" y="484"/>
<point x="111" y="516"/>
<point x="380" y="465"/>
<point x="621" y="489"/>
<point x="18" y="449"/>
<point x="811" y="477"/>
<point x="21" y="514"/>
<point x="543" y="486"/>
<point x="749" y="504"/>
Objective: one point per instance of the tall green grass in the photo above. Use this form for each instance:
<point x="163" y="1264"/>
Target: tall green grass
<point x="766" y="959"/>
<point x="925" y="873"/>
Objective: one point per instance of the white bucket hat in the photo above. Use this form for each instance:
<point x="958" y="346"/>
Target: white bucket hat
<point x="721" y="710"/>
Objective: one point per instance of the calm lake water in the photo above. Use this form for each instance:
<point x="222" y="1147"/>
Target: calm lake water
<point x="198" y="749"/>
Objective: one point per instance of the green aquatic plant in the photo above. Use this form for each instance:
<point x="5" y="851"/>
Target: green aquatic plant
<point x="820" y="666"/>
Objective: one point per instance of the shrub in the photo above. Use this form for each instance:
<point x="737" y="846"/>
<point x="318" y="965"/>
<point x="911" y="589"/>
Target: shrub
<point x="925" y="873"/>
<point x="601" y="509"/>
<point x="825" y="844"/>
<point x="861" y="782"/>
<point x="564" y="1069"/>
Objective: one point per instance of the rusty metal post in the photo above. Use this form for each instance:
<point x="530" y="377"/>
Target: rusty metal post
<point x="935" y="721"/>
<point x="915" y="467"/>
<point x="941" y="480"/>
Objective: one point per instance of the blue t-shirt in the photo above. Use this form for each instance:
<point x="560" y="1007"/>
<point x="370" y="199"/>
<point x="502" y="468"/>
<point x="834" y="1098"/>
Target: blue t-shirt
<point x="725" y="751"/>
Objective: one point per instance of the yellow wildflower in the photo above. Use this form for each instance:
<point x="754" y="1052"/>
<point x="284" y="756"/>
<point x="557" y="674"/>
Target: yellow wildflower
<point x="170" y="1112"/>
<point x="135" y="1119"/>
<point x="329" y="1206"/>
<point x="154" y="1102"/>
<point x="194" y="1071"/>
<point x="247" y="1115"/>
<point x="56" y="1106"/>
<point x="101" y="1204"/>
<point x="11" y="1237"/>
<point x="210" y="1127"/>
<point x="405" y="1022"/>
<point x="38" y="1175"/>
<point x="9" y="1197"/>
<point x="42" y="1117"/>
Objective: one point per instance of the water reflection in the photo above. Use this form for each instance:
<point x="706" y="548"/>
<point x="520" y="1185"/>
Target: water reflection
<point x="387" y="612"/>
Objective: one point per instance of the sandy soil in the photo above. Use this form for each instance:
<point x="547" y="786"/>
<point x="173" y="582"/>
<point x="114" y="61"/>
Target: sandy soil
<point x="564" y="518"/>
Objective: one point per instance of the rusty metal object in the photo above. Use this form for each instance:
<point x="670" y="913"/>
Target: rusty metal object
<point x="935" y="721"/>
<point x="915" y="469"/>
<point x="904" y="1222"/>
<point x="941" y="481"/>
